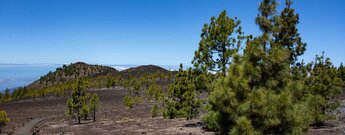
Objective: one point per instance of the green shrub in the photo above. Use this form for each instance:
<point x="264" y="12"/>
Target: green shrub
<point x="3" y="119"/>
<point x="155" y="111"/>
<point x="129" y="101"/>
<point x="182" y="98"/>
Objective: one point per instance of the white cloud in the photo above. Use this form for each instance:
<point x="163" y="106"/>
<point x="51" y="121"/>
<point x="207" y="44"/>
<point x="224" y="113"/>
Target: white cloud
<point x="119" y="68"/>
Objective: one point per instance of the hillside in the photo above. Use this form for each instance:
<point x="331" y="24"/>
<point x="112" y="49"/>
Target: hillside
<point x="72" y="71"/>
<point x="146" y="69"/>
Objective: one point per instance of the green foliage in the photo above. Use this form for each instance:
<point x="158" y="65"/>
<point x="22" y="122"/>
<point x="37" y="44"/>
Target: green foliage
<point x="212" y="120"/>
<point x="203" y="79"/>
<point x="82" y="102"/>
<point x="262" y="92"/>
<point x="94" y="102"/>
<point x="112" y="82"/>
<point x="155" y="111"/>
<point x="70" y="107"/>
<point x="341" y="74"/>
<point x="218" y="43"/>
<point x="235" y="105"/>
<point x="7" y="96"/>
<point x="243" y="126"/>
<point x="323" y="85"/>
<point x="130" y="101"/>
<point x="155" y="92"/>
<point x="182" y="99"/>
<point x="94" y="105"/>
<point x="85" y="109"/>
<point x="287" y="33"/>
<point x="3" y="119"/>
<point x="77" y="106"/>
<point x="133" y="85"/>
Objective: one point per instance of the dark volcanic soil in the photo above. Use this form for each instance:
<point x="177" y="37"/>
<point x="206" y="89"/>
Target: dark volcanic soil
<point x="114" y="118"/>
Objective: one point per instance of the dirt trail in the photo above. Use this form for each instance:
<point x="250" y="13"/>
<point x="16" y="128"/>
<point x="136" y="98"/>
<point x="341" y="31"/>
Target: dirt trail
<point x="27" y="128"/>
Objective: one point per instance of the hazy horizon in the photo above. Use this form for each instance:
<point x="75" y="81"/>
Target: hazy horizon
<point x="17" y="75"/>
<point x="164" y="33"/>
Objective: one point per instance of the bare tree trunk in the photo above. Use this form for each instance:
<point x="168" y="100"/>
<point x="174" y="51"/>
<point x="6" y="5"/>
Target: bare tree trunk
<point x="94" y="115"/>
<point x="79" y="117"/>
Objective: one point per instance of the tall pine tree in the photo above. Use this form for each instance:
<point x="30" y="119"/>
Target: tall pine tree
<point x="219" y="41"/>
<point x="256" y="95"/>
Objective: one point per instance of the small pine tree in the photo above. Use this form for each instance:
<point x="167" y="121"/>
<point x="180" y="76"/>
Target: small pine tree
<point x="323" y="85"/>
<point x="77" y="103"/>
<point x="129" y="101"/>
<point x="155" y="111"/>
<point x="85" y="109"/>
<point x="3" y="120"/>
<point x="1" y="97"/>
<point x="94" y="104"/>
<point x="182" y="99"/>
<point x="154" y="92"/>
<point x="7" y="95"/>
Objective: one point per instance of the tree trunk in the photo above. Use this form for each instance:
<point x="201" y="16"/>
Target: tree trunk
<point x="79" y="117"/>
<point x="94" y="114"/>
<point x="223" y="60"/>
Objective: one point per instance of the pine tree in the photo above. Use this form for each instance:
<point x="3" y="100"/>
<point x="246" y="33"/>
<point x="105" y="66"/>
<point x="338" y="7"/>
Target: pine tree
<point x="265" y="21"/>
<point x="218" y="43"/>
<point x="77" y="103"/>
<point x="341" y="73"/>
<point x="257" y="96"/>
<point x="85" y="109"/>
<point x="94" y="104"/>
<point x="323" y="85"/>
<point x="182" y="99"/>
<point x="1" y="97"/>
<point x="3" y="120"/>
<point x="155" y="111"/>
<point x="133" y="86"/>
<point x="7" y="95"/>
<point x="155" y="92"/>
<point x="286" y="34"/>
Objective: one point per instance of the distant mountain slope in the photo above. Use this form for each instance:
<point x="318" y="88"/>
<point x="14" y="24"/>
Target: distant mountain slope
<point x="146" y="69"/>
<point x="72" y="71"/>
<point x="80" y="69"/>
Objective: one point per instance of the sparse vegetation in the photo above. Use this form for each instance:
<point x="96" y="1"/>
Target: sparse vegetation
<point x="3" y="120"/>
<point x="155" y="111"/>
<point x="239" y="84"/>
<point x="77" y="104"/>
<point x="94" y="105"/>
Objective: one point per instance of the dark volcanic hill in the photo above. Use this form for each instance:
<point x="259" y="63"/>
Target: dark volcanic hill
<point x="72" y="71"/>
<point x="146" y="69"/>
<point x="80" y="69"/>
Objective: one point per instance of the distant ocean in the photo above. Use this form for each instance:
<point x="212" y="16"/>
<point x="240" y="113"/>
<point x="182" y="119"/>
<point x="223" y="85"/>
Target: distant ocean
<point x="16" y="75"/>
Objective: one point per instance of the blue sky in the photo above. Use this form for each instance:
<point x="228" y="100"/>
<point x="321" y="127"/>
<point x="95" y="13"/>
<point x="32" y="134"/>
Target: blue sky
<point x="162" y="32"/>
